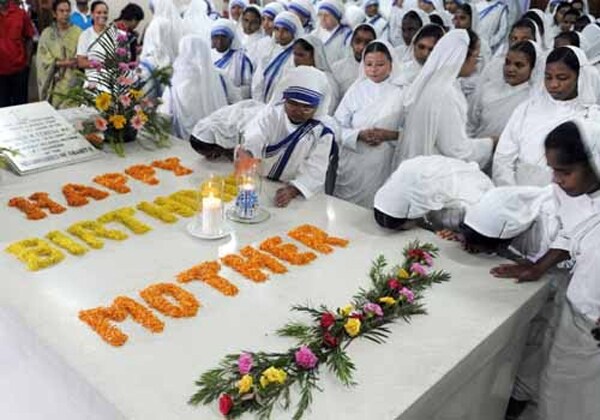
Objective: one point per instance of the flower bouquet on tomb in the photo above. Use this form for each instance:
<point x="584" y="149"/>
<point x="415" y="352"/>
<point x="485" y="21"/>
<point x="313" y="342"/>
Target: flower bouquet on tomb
<point x="123" y="100"/>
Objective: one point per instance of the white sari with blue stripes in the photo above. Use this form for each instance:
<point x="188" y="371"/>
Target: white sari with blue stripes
<point x="237" y="67"/>
<point x="297" y="154"/>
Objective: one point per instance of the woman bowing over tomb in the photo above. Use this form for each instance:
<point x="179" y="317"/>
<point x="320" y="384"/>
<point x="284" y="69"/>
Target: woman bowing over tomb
<point x="295" y="137"/>
<point x="434" y="126"/>
<point x="570" y="89"/>
<point x="287" y="28"/>
<point x="495" y="100"/>
<point x="369" y="115"/>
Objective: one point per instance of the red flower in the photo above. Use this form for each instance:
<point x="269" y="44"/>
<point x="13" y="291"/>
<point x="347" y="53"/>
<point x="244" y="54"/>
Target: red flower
<point x="327" y="320"/>
<point x="416" y="254"/>
<point x="225" y="404"/>
<point x="330" y="340"/>
<point x="394" y="284"/>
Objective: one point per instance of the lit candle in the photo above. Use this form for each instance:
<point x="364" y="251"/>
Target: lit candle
<point x="212" y="216"/>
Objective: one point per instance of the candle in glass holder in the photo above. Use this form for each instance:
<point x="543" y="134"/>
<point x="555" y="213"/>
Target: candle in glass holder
<point x="246" y="202"/>
<point x="212" y="215"/>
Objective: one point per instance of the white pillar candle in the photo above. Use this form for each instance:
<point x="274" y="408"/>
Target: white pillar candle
<point x="212" y="216"/>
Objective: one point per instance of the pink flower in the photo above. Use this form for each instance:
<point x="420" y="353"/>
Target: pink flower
<point x="245" y="362"/>
<point x="125" y="100"/>
<point x="121" y="37"/>
<point x="408" y="294"/>
<point x="123" y="67"/>
<point x="147" y="103"/>
<point x="393" y="284"/>
<point x="305" y="358"/>
<point x="121" y="51"/>
<point x="101" y="124"/>
<point x="137" y="122"/>
<point x="133" y="65"/>
<point x="418" y="269"/>
<point x="125" y="81"/>
<point x="428" y="259"/>
<point x="373" y="308"/>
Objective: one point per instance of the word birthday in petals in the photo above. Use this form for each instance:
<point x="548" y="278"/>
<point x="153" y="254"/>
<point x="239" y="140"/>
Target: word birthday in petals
<point x="78" y="195"/>
<point x="171" y="300"/>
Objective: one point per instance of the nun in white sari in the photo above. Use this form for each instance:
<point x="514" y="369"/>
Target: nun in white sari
<point x="493" y="21"/>
<point x="520" y="158"/>
<point x="272" y="66"/>
<point x="590" y="43"/>
<point x="332" y="30"/>
<point x="195" y="90"/>
<point x="376" y="20"/>
<point x="252" y="42"/>
<point x="570" y="384"/>
<point x="296" y="149"/>
<point x="369" y="115"/>
<point x="495" y="100"/>
<point x="157" y="52"/>
<point x="347" y="69"/>
<point x="413" y="20"/>
<point x="438" y="127"/>
<point x="428" y="35"/>
<point x="309" y="51"/>
<point x="435" y="187"/>
<point x="231" y="61"/>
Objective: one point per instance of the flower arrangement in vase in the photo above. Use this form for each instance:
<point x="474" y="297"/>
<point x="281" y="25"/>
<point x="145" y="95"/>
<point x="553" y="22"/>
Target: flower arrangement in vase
<point x="122" y="98"/>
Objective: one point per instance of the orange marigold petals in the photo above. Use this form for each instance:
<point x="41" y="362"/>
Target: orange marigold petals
<point x="35" y="253"/>
<point x="99" y="319"/>
<point x="250" y="267"/>
<point x="126" y="218"/>
<point x="89" y="231"/>
<point x="315" y="238"/>
<point x="115" y="181"/>
<point x="77" y="194"/>
<point x="31" y="210"/>
<point x="172" y="164"/>
<point x="187" y="304"/>
<point x="286" y="252"/>
<point x="208" y="272"/>
<point x="143" y="173"/>
<point x="44" y="201"/>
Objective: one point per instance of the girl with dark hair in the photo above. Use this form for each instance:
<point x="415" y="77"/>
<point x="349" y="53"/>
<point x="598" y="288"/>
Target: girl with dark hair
<point x="421" y="47"/>
<point x="252" y="33"/>
<point x="346" y="70"/>
<point x="564" y="39"/>
<point x="55" y="61"/>
<point x="129" y="19"/>
<point x="87" y="47"/>
<point x="438" y="127"/>
<point x="369" y="115"/>
<point x="569" y="91"/>
<point x="495" y="100"/>
<point x="412" y="21"/>
<point x="568" y="386"/>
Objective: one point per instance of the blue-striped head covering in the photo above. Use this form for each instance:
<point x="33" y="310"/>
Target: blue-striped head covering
<point x="368" y="3"/>
<point x="289" y="21"/>
<point x="302" y="8"/>
<point x="303" y="95"/>
<point x="273" y="9"/>
<point x="223" y="27"/>
<point x="332" y="7"/>
<point x="240" y="3"/>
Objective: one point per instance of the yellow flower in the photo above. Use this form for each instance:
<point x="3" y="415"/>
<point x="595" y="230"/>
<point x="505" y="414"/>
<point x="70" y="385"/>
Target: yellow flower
<point x="245" y="384"/>
<point x="272" y="375"/>
<point x="136" y="93"/>
<point x="388" y="300"/>
<point x="118" y="121"/>
<point x="103" y="101"/>
<point x="142" y="116"/>
<point x="346" y="310"/>
<point x="403" y="274"/>
<point x="352" y="327"/>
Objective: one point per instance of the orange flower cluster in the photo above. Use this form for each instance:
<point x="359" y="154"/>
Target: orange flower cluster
<point x="286" y="252"/>
<point x="154" y="295"/>
<point x="208" y="272"/>
<point x="317" y="239"/>
<point x="143" y="173"/>
<point x="76" y="194"/>
<point x="172" y="164"/>
<point x="113" y="181"/>
<point x="33" y="208"/>
<point x="251" y="266"/>
<point x="99" y="319"/>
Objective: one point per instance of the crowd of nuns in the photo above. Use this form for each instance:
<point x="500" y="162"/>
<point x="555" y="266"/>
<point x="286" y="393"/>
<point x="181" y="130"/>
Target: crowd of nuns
<point x="478" y="120"/>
